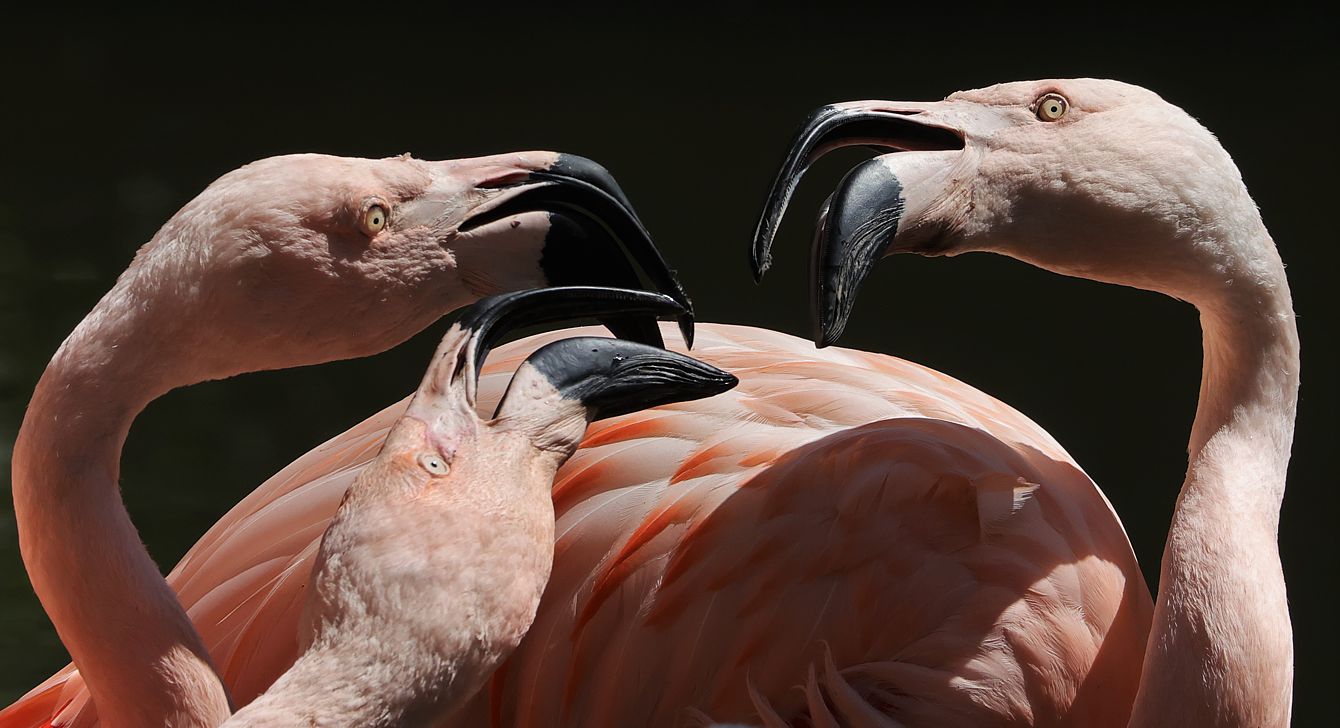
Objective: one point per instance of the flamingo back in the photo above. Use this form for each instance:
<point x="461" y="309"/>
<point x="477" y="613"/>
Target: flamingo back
<point x="844" y="539"/>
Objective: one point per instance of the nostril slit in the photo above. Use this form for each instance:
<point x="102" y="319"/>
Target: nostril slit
<point x="503" y="181"/>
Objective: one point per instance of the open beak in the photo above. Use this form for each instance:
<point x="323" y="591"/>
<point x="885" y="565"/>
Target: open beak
<point x="608" y="376"/>
<point x="595" y="237"/>
<point x="460" y="356"/>
<point x="863" y="216"/>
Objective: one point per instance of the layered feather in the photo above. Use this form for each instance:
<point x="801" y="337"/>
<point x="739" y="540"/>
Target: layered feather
<point x="844" y="539"/>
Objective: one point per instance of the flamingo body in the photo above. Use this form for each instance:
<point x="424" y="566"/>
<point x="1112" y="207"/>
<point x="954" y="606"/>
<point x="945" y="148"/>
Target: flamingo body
<point x="845" y="538"/>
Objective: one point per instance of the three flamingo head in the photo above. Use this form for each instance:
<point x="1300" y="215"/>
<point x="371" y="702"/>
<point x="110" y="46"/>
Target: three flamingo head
<point x="1091" y="178"/>
<point x="308" y="258"/>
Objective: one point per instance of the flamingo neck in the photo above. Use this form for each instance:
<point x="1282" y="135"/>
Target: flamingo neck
<point x="373" y="681"/>
<point x="1220" y="650"/>
<point x="134" y="645"/>
<point x="395" y="661"/>
<point x="414" y="602"/>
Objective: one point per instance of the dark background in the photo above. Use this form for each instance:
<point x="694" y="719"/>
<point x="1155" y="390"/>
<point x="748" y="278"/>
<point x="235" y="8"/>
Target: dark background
<point x="112" y="123"/>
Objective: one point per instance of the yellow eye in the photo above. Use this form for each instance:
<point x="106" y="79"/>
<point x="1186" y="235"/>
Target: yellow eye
<point x="434" y="464"/>
<point x="374" y="220"/>
<point x="1052" y="107"/>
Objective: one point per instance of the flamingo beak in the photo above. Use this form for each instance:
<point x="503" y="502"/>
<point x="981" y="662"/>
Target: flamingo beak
<point x="607" y="376"/>
<point x="452" y="377"/>
<point x="612" y="377"/>
<point x="595" y="237"/>
<point x="860" y="219"/>
<point x="855" y="228"/>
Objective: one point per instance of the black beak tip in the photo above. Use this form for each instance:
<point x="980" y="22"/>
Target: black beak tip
<point x="855" y="230"/>
<point x="759" y="265"/>
<point x="592" y="173"/>
<point x="828" y="327"/>
<point x="811" y="134"/>
<point x="686" y="328"/>
<point x="760" y="253"/>
<point x="728" y="382"/>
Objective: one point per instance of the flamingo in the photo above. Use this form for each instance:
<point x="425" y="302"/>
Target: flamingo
<point x="287" y="261"/>
<point x="434" y="564"/>
<point x="849" y="538"/>
<point x="1106" y="181"/>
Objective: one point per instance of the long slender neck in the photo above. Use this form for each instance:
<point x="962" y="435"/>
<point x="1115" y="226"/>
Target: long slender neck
<point x="1220" y="651"/>
<point x="135" y="647"/>
<point x="370" y="680"/>
<point x="420" y="591"/>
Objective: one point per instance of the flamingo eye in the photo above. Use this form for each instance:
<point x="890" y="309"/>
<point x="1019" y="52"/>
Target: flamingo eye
<point x="374" y="219"/>
<point x="1052" y="107"/>
<point x="434" y="464"/>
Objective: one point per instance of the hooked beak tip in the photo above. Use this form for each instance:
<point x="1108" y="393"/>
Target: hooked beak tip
<point x="855" y="230"/>
<point x="686" y="329"/>
<point x="759" y="263"/>
<point x="866" y="209"/>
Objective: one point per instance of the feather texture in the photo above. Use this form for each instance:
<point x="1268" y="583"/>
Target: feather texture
<point x="844" y="539"/>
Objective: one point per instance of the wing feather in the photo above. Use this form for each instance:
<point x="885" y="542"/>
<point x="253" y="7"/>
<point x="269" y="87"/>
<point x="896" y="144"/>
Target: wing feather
<point x="845" y="538"/>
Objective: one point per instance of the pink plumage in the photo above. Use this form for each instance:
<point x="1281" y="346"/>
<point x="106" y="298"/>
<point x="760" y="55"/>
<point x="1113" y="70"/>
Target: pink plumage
<point x="845" y="535"/>
<point x="845" y="539"/>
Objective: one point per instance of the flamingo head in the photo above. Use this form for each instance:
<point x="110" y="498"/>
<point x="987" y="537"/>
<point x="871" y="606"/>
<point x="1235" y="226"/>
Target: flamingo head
<point x="1090" y="178"/>
<point x="444" y="543"/>
<point x="566" y="385"/>
<point x="309" y="258"/>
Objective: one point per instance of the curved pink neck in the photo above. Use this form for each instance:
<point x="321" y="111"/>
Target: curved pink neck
<point x="1220" y="651"/>
<point x="135" y="647"/>
<point x="360" y="682"/>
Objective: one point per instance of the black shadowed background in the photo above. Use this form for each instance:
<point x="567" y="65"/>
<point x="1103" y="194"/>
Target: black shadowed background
<point x="111" y="123"/>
